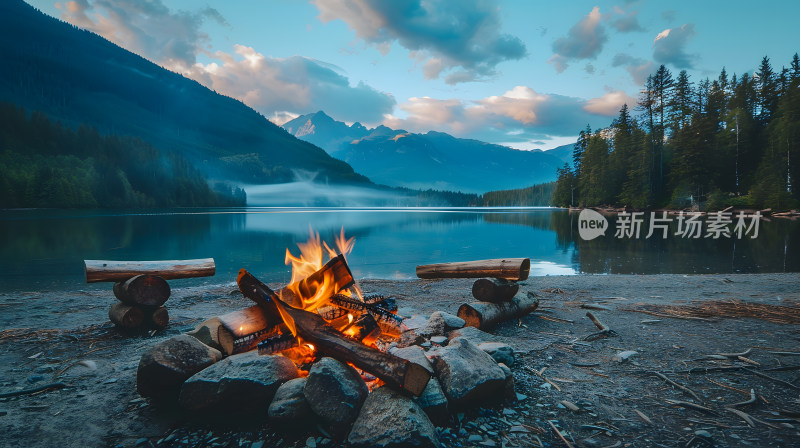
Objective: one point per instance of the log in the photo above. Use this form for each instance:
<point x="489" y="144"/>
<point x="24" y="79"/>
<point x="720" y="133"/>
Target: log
<point x="494" y="290"/>
<point x="335" y="272"/>
<point x="312" y="328"/>
<point x="126" y="316"/>
<point x="236" y="332"/>
<point x="157" y="318"/>
<point x="483" y="315"/>
<point x="144" y="290"/>
<point x="115" y="271"/>
<point x="506" y="268"/>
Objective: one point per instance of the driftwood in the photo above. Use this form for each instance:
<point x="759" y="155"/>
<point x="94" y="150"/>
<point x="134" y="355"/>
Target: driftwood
<point x="144" y="290"/>
<point x="126" y="316"/>
<point x="484" y="315"/>
<point x="494" y="290"/>
<point x="312" y="328"/>
<point x="505" y="268"/>
<point x="115" y="271"/>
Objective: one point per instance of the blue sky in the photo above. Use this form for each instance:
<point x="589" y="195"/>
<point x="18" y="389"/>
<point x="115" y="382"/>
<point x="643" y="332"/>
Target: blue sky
<point x="529" y="74"/>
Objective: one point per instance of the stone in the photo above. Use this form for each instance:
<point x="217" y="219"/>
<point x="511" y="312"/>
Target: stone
<point x="475" y="438"/>
<point x="240" y="383"/>
<point x="415" y="322"/>
<point x="475" y="335"/>
<point x="435" y="326"/>
<point x="509" y="393"/>
<point x="414" y="354"/>
<point x="165" y="366"/>
<point x="289" y="407"/>
<point x="467" y="374"/>
<point x="335" y="392"/>
<point x="407" y="311"/>
<point x="451" y="321"/>
<point x="439" y="340"/>
<point x="389" y="419"/>
<point x="500" y="352"/>
<point x="409" y="338"/>
<point x="432" y="399"/>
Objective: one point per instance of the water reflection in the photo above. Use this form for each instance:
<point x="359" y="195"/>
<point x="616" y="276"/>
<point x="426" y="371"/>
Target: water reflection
<point x="44" y="249"/>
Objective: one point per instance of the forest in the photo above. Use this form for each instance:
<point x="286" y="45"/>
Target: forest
<point x="45" y="164"/>
<point x="539" y="195"/>
<point x="710" y="144"/>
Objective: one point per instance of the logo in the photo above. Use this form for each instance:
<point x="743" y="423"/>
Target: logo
<point x="591" y="224"/>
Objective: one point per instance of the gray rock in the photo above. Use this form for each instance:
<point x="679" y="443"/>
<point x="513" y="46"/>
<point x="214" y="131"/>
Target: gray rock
<point x="241" y="383"/>
<point x="508" y="388"/>
<point x="290" y="407"/>
<point x="467" y="374"/>
<point x="451" y="321"/>
<point x="389" y="419"/>
<point x="432" y="400"/>
<point x="163" y="369"/>
<point x="499" y="351"/>
<point x="409" y="338"/>
<point x="407" y="311"/>
<point x="435" y="326"/>
<point x="475" y="438"/>
<point x="415" y="322"/>
<point x="335" y="392"/>
<point x="475" y="335"/>
<point x="439" y="340"/>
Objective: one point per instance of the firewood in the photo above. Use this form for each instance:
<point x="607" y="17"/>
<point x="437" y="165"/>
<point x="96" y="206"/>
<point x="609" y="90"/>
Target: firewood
<point x="505" y="268"/>
<point x="126" y="316"/>
<point x="157" y="318"/>
<point x="312" y="328"/>
<point x="483" y="315"/>
<point x="144" y="290"/>
<point x="335" y="271"/>
<point x="238" y="331"/>
<point x="494" y="290"/>
<point x="115" y="271"/>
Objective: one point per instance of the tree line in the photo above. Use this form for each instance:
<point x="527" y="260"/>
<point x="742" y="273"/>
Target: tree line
<point x="45" y="164"/>
<point x="733" y="140"/>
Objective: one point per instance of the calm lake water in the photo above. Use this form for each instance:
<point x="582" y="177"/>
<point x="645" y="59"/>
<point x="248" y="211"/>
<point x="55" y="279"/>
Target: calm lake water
<point x="45" y="249"/>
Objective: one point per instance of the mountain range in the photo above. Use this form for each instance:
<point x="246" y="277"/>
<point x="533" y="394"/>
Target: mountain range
<point x="79" y="78"/>
<point x="436" y="160"/>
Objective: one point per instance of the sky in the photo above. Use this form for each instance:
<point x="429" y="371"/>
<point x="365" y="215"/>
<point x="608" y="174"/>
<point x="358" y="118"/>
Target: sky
<point x="523" y="73"/>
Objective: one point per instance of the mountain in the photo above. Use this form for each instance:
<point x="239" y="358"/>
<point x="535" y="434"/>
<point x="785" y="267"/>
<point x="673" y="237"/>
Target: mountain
<point x="78" y="78"/>
<point x="563" y="153"/>
<point x="432" y="160"/>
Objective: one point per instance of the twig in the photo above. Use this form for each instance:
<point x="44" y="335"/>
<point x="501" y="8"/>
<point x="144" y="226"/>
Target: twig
<point x="540" y="375"/>
<point x="604" y="330"/>
<point x="779" y="381"/>
<point x="594" y="306"/>
<point x="748" y="360"/>
<point x="585" y="364"/>
<point x="570" y="405"/>
<point x="728" y="387"/>
<point x="785" y="353"/>
<point x="643" y="417"/>
<point x="689" y="405"/>
<point x="558" y="433"/>
<point x="712" y="369"/>
<point x="556" y="319"/>
<point x="679" y="386"/>
<point x="750" y="401"/>
<point x="745" y="416"/>
<point x="34" y="390"/>
<point x="735" y="355"/>
<point x="782" y="369"/>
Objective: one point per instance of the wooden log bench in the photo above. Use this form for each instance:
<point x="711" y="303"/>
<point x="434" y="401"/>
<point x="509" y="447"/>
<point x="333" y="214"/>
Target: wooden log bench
<point x="141" y="287"/>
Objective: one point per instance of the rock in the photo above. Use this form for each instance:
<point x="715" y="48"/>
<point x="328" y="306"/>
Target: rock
<point x="439" y="340"/>
<point x="415" y="322"/>
<point x="290" y="407"/>
<point x="242" y="383"/>
<point x="35" y="378"/>
<point x="435" y="326"/>
<point x="165" y="366"/>
<point x="432" y="399"/>
<point x="508" y="388"/>
<point x="389" y="419"/>
<point x="475" y="438"/>
<point x="475" y="335"/>
<point x="466" y="373"/>
<point x="335" y="392"/>
<point x="500" y="352"/>
<point x="452" y="322"/>
<point x="407" y="311"/>
<point x="624" y="355"/>
<point x="409" y="338"/>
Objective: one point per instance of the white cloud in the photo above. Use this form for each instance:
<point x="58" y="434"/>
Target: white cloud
<point x="584" y="40"/>
<point x="610" y="103"/>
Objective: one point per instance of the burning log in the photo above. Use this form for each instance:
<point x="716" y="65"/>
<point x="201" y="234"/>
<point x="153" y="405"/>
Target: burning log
<point x="115" y="271"/>
<point x="390" y="324"/>
<point x="506" y="268"/>
<point x="238" y="331"/>
<point x="144" y="290"/>
<point x="364" y="329"/>
<point x="276" y="344"/>
<point x="394" y="371"/>
<point x="483" y="315"/>
<point x="335" y="270"/>
<point x="494" y="290"/>
<point x="126" y="316"/>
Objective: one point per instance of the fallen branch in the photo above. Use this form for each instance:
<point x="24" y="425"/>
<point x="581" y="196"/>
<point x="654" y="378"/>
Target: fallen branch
<point x="771" y="378"/>
<point x="17" y="393"/>
<point x="541" y="375"/>
<point x="679" y="386"/>
<point x="745" y="403"/>
<point x="558" y="433"/>
<point x="643" y="417"/>
<point x="689" y="405"/>
<point x="604" y="330"/>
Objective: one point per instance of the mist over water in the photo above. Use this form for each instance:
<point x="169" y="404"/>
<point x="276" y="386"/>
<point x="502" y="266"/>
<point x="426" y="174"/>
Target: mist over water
<point x="306" y="193"/>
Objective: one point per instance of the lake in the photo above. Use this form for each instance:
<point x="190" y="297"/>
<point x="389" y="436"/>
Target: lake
<point x="45" y="249"/>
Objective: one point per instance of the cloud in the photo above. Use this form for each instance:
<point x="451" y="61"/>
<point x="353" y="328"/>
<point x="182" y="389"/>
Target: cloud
<point x="668" y="16"/>
<point x="147" y="28"/>
<point x="628" y="23"/>
<point x="584" y="40"/>
<point x="610" y="103"/>
<point x="463" y="37"/>
<point x="519" y="117"/>
<point x="280" y="87"/>
<point x="638" y="68"/>
<point x="669" y="46"/>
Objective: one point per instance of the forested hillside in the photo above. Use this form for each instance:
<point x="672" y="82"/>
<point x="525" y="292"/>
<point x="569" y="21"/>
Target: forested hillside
<point x="44" y="164"/>
<point x="540" y="195"/>
<point x="733" y="140"/>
